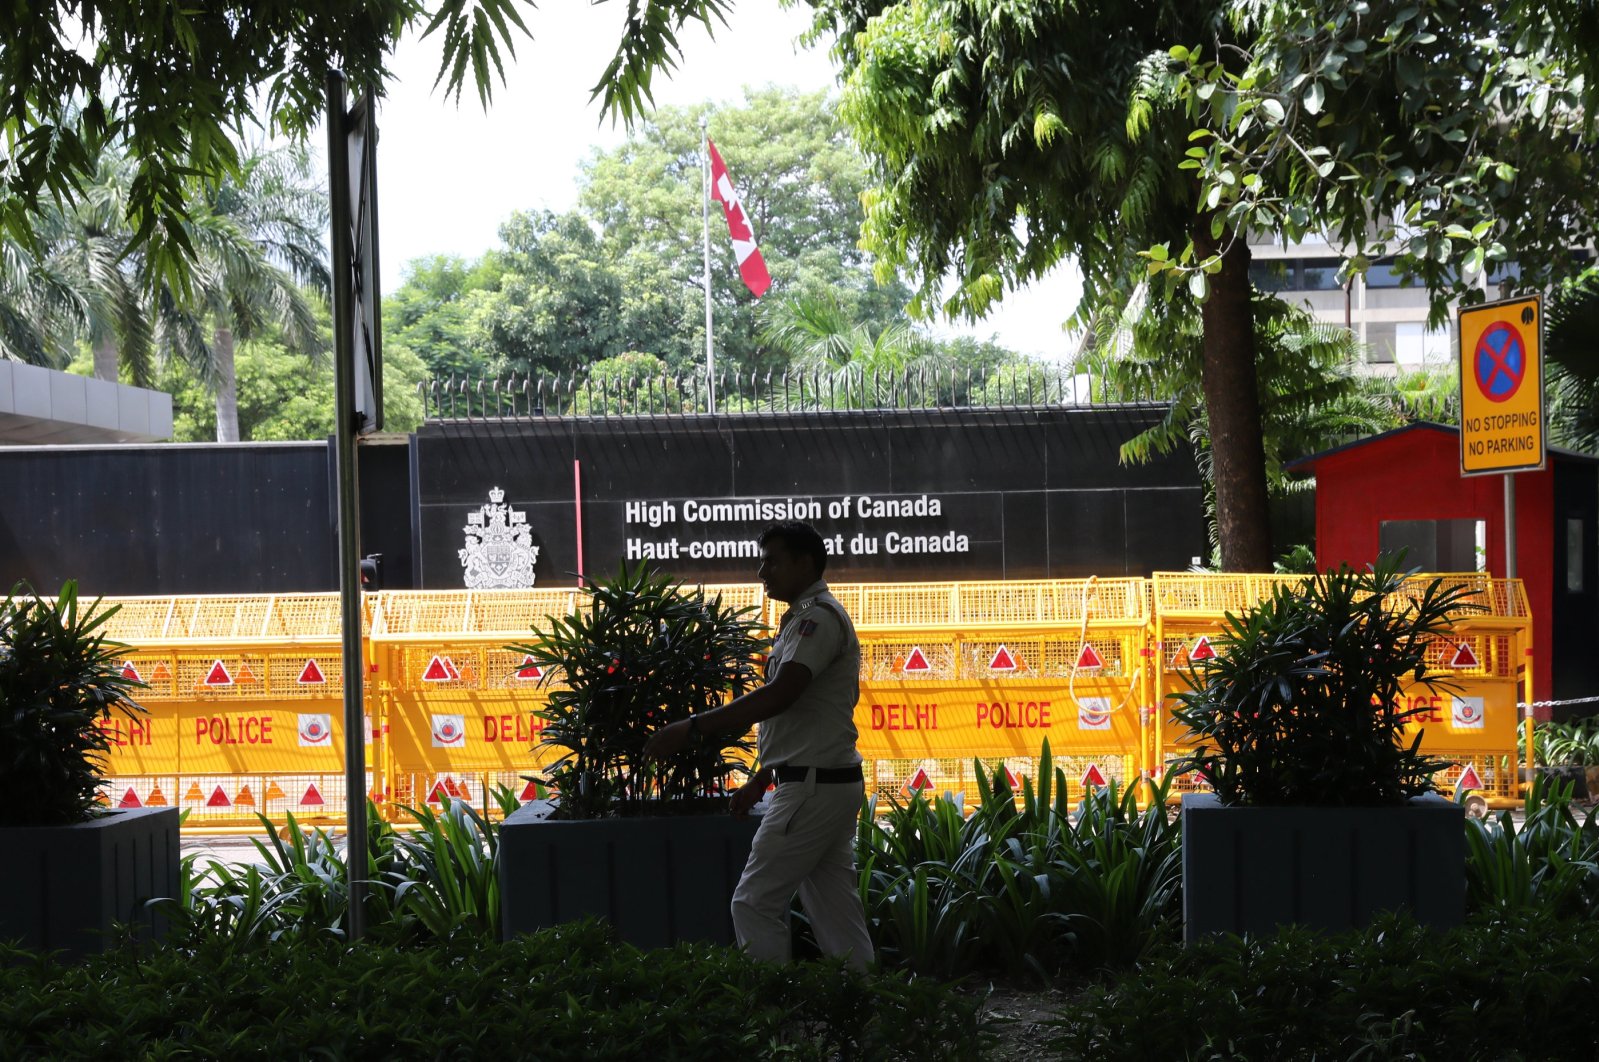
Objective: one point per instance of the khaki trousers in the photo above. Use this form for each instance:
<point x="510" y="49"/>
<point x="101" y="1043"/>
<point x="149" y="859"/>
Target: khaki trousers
<point x="806" y="842"/>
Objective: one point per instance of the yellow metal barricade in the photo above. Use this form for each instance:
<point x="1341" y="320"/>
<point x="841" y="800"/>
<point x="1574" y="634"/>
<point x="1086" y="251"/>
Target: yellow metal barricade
<point x="954" y="672"/>
<point x="462" y="708"/>
<point x="244" y="704"/>
<point x="1485" y="660"/>
<point x="245" y="694"/>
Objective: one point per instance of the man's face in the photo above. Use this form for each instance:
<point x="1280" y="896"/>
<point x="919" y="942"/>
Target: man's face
<point x="783" y="574"/>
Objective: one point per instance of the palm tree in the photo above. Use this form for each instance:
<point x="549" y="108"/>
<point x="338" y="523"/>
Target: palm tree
<point x="819" y="336"/>
<point x="1310" y="395"/>
<point x="1572" y="363"/>
<point x="257" y="238"/>
<point x="72" y="281"/>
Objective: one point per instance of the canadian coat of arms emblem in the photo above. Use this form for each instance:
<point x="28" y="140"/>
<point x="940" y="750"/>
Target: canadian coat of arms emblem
<point x="499" y="553"/>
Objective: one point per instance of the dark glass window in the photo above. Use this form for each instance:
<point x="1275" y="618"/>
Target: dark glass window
<point x="1435" y="545"/>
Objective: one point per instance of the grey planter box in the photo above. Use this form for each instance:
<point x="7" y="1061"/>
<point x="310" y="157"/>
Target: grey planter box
<point x="657" y="880"/>
<point x="64" y="886"/>
<point x="1251" y="870"/>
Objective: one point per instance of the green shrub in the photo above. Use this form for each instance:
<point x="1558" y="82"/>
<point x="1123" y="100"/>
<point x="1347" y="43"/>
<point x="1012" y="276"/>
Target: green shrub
<point x="1025" y="890"/>
<point x="639" y="653"/>
<point x="1516" y="989"/>
<point x="1549" y="864"/>
<point x="1573" y="744"/>
<point x="59" y="679"/>
<point x="437" y="881"/>
<point x="563" y="993"/>
<point x="1304" y="702"/>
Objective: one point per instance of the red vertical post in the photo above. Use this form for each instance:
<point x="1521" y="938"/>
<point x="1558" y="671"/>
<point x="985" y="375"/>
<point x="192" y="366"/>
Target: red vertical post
<point x="577" y="509"/>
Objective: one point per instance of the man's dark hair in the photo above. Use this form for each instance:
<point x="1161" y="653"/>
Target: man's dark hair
<point x="800" y="540"/>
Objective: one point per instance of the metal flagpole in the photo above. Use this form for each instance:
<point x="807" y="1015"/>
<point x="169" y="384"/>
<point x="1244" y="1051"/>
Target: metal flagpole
<point x="705" y="218"/>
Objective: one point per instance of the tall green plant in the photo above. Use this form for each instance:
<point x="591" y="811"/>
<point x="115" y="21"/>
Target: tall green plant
<point x="1548" y="865"/>
<point x="1304" y="705"/>
<point x="641" y="652"/>
<point x="1022" y="883"/>
<point x="59" y="679"/>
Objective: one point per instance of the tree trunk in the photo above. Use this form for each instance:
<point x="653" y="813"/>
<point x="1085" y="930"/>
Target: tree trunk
<point x="106" y="358"/>
<point x="1232" y="399"/>
<point x="227" y="393"/>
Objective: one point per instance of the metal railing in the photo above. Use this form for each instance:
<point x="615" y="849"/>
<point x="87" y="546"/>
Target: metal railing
<point x="961" y="387"/>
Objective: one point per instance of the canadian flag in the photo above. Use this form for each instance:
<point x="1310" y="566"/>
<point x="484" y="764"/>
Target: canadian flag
<point x="751" y="266"/>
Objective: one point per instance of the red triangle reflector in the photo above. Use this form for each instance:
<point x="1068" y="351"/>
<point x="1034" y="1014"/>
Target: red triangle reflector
<point x="1469" y="779"/>
<point x="919" y="781"/>
<point x="310" y="674"/>
<point x="1464" y="657"/>
<point x="130" y="672"/>
<point x="218" y="676"/>
<point x="916" y="661"/>
<point x="529" y="670"/>
<point x="1093" y="776"/>
<point x="1202" y="649"/>
<point x="438" y="794"/>
<point x="218" y="799"/>
<point x="1088" y="659"/>
<point x="436" y="671"/>
<point x="312" y="797"/>
<point x="130" y="799"/>
<point x="532" y="791"/>
<point x="455" y="672"/>
<point x="1003" y="660"/>
<point x="1015" y="782"/>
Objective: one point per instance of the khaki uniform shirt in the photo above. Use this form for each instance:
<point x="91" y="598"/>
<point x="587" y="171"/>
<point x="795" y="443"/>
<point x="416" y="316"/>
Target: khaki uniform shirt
<point x="818" y="730"/>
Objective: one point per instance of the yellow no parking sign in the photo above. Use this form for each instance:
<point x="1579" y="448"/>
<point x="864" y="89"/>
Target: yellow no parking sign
<point x="1501" y="387"/>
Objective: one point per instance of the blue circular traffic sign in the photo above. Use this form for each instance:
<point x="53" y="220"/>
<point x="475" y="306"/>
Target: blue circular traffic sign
<point x="1500" y="361"/>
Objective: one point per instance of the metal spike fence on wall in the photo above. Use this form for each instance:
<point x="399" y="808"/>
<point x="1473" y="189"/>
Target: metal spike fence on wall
<point x="245" y="702"/>
<point x="926" y="387"/>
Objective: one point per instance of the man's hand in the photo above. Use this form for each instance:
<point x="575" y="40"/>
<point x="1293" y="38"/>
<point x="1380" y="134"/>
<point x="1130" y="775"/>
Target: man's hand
<point x="749" y="794"/>
<point x="667" y="740"/>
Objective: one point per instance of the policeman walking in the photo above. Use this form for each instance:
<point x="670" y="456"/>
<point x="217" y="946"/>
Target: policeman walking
<point x="806" y="840"/>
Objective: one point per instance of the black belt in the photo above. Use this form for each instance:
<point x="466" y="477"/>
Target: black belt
<point x="823" y="774"/>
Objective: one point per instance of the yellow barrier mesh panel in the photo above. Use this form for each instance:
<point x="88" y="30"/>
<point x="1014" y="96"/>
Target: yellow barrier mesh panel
<point x="894" y="777"/>
<point x="918" y="605"/>
<point x="1176" y="592"/>
<point x="908" y="661"/>
<point x="1498" y="774"/>
<point x="306" y="616"/>
<point x="139" y="619"/>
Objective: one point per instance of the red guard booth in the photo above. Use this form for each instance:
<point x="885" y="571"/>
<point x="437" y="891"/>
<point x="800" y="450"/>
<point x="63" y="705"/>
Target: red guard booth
<point x="1403" y="489"/>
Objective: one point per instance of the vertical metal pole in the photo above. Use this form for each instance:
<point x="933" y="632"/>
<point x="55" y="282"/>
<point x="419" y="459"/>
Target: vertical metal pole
<point x="354" y="662"/>
<point x="705" y="219"/>
<point x="1510" y="525"/>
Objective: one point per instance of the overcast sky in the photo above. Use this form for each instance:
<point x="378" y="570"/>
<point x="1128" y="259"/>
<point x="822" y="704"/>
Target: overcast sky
<point x="449" y="175"/>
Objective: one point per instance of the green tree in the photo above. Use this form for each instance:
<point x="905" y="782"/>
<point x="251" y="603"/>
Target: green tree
<point x="624" y="270"/>
<point x="257" y="238"/>
<point x="1150" y="137"/>
<point x="800" y="180"/>
<point x="180" y="85"/>
<point x="1572" y="363"/>
<point x="558" y="304"/>
<point x="281" y="397"/>
<point x="72" y="283"/>
<point x="431" y="314"/>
